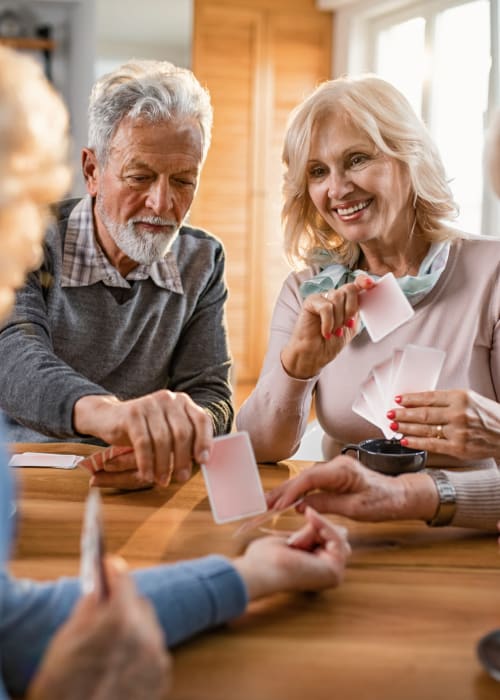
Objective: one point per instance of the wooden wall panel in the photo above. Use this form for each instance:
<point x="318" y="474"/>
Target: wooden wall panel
<point x="258" y="58"/>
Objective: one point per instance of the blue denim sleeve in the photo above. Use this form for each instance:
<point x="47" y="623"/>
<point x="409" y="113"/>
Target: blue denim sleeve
<point x="189" y="597"/>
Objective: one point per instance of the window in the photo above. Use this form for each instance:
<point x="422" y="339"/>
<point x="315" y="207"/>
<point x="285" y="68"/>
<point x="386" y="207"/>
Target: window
<point x="443" y="55"/>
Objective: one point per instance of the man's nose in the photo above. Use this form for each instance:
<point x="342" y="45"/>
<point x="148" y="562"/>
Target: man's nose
<point x="160" y="197"/>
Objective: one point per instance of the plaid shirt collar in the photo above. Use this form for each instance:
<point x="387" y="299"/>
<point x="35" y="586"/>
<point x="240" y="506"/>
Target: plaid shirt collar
<point x="84" y="262"/>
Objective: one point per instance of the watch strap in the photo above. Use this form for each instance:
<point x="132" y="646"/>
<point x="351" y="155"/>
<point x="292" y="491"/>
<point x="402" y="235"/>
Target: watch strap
<point x="447" y="498"/>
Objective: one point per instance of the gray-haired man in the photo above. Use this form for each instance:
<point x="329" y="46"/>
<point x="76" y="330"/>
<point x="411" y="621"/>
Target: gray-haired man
<point x="120" y="334"/>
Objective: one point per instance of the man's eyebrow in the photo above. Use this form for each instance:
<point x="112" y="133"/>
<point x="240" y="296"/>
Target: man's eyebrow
<point x="135" y="163"/>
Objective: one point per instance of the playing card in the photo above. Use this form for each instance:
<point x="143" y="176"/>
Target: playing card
<point x="376" y="402"/>
<point x="92" y="572"/>
<point x="270" y="515"/>
<point x="418" y="370"/>
<point x="44" y="459"/>
<point x="384" y="307"/>
<point x="410" y="369"/>
<point x="361" y="407"/>
<point x="232" y="479"/>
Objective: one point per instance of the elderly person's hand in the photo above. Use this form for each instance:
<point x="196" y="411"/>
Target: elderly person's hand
<point x="166" y="430"/>
<point x="312" y="559"/>
<point x="458" y="423"/>
<point x="324" y="326"/>
<point x="345" y="487"/>
<point x="107" y="650"/>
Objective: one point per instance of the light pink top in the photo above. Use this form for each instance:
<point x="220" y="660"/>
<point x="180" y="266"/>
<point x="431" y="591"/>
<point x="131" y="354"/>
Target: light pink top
<point x="460" y="315"/>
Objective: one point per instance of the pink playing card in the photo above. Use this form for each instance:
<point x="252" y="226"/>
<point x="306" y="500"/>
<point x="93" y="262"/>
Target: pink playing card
<point x="232" y="479"/>
<point x="384" y="307"/>
<point x="382" y="373"/>
<point x="418" y="370"/>
<point x="361" y="407"/>
<point x="376" y="402"/>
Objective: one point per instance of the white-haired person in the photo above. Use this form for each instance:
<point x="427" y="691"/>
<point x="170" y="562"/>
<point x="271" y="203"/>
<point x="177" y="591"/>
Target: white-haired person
<point x="54" y="642"/>
<point x="365" y="193"/>
<point x="119" y="335"/>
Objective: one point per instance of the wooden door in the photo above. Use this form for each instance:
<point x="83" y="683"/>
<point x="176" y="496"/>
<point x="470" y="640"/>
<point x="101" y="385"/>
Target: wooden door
<point x="258" y="60"/>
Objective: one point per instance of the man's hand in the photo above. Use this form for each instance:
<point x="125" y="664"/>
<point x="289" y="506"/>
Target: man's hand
<point x="166" y="431"/>
<point x="345" y="487"/>
<point x="311" y="559"/>
<point x="107" y="650"/>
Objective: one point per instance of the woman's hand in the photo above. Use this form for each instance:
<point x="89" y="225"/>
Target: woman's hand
<point x="345" y="487"/>
<point x="458" y="423"/>
<point x="312" y="559"/>
<point x="107" y="650"/>
<point x="326" y="323"/>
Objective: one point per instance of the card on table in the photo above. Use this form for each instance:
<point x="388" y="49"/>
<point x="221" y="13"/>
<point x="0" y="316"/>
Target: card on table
<point x="92" y="572"/>
<point x="44" y="459"/>
<point x="232" y="479"/>
<point x="384" y="307"/>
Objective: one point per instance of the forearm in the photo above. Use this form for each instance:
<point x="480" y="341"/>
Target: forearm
<point x="37" y="388"/>
<point x="478" y="498"/>
<point x="276" y="413"/>
<point x="420" y="499"/>
<point x="193" y="596"/>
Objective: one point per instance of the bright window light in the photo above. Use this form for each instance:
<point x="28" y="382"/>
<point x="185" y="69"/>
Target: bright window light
<point x="440" y="58"/>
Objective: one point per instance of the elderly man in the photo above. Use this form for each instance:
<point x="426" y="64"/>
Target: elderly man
<point x="120" y="334"/>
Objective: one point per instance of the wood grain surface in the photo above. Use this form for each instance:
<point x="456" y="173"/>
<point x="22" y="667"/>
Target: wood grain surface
<point x="403" y="625"/>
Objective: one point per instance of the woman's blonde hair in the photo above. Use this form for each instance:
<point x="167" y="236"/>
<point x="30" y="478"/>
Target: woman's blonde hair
<point x="380" y="111"/>
<point x="33" y="165"/>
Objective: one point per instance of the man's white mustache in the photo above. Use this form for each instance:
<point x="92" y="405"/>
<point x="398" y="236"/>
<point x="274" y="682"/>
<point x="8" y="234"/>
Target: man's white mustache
<point x="155" y="220"/>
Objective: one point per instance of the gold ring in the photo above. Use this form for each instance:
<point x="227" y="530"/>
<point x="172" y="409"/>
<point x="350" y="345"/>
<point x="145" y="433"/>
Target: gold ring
<point x="439" y="432"/>
<point x="325" y="295"/>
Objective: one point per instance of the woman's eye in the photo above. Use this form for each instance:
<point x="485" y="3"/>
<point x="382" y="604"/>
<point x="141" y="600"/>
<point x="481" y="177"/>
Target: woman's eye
<point x="316" y="172"/>
<point x="357" y="160"/>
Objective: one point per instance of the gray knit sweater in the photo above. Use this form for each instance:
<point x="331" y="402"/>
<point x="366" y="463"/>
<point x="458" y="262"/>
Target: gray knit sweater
<point x="63" y="343"/>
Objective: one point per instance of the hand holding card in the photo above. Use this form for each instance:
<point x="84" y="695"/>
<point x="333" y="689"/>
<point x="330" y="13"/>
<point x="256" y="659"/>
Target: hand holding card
<point x="411" y="369"/>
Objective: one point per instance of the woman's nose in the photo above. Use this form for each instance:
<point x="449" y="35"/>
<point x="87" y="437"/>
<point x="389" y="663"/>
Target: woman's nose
<point x="339" y="184"/>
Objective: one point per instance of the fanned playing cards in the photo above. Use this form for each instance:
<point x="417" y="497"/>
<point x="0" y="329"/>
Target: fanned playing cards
<point x="412" y="369"/>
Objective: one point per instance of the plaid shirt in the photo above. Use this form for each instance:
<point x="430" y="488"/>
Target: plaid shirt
<point x="84" y="262"/>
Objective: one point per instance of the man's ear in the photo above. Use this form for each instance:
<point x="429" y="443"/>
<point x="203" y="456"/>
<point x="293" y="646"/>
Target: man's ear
<point x="90" y="169"/>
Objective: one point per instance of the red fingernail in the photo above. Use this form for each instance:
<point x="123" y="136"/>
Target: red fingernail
<point x="404" y="442"/>
<point x="327" y="336"/>
<point x="391" y="414"/>
<point x="339" y="332"/>
<point x="398" y="399"/>
<point x="350" y="323"/>
<point x="394" y="426"/>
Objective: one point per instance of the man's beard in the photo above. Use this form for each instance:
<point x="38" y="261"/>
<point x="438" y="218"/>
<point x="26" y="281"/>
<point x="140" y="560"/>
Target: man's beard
<point x="142" y="246"/>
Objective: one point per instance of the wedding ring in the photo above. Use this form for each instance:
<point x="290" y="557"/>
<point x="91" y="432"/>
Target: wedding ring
<point x="439" y="432"/>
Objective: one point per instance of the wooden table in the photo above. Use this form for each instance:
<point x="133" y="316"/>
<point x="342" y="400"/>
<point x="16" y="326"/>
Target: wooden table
<point x="403" y="626"/>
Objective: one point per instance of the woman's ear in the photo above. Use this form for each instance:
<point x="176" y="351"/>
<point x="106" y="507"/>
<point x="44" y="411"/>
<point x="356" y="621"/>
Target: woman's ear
<point x="90" y="170"/>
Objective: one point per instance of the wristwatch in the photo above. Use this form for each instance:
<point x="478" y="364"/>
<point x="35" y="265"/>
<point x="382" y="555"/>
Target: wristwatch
<point x="447" y="498"/>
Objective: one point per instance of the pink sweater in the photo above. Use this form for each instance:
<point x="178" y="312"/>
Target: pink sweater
<point x="460" y="315"/>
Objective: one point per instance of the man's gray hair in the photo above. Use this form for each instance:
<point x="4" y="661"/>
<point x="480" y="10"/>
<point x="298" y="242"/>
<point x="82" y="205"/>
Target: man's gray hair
<point x="153" y="90"/>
